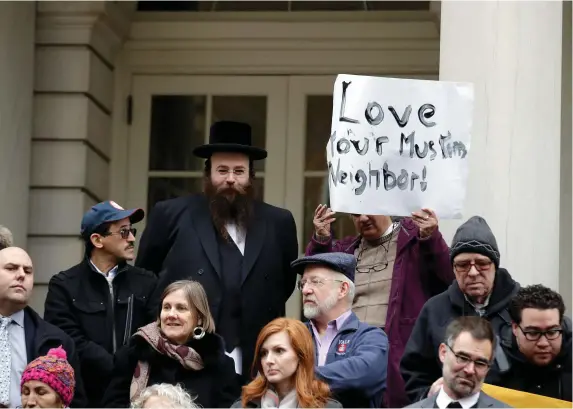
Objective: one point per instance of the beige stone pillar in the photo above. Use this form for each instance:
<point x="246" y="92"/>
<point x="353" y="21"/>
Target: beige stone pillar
<point x="76" y="48"/>
<point x="17" y="25"/>
<point x="565" y="240"/>
<point x="512" y="53"/>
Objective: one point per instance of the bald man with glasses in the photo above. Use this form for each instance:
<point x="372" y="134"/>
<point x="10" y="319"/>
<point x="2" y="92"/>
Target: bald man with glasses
<point x="481" y="288"/>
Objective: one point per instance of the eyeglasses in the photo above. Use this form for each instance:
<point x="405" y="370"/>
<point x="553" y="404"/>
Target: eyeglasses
<point x="240" y="172"/>
<point x="124" y="233"/>
<point x="535" y="335"/>
<point x="375" y="268"/>
<point x="314" y="282"/>
<point x="479" y="364"/>
<point x="465" y="266"/>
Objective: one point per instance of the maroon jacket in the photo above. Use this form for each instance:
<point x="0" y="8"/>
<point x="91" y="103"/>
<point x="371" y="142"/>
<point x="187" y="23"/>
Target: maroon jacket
<point x="422" y="269"/>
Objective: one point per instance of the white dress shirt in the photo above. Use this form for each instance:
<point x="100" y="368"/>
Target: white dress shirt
<point x="237" y="236"/>
<point x="443" y="400"/>
<point x="110" y="275"/>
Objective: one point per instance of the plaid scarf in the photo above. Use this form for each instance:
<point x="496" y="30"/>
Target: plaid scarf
<point x="186" y="356"/>
<point x="271" y="399"/>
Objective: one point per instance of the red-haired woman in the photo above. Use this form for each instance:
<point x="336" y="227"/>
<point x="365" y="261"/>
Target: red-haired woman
<point x="284" y="358"/>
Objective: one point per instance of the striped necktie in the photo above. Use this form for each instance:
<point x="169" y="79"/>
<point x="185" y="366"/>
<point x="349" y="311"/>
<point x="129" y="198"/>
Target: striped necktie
<point x="5" y="361"/>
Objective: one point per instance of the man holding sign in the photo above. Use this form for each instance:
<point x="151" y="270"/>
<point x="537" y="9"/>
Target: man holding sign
<point x="396" y="146"/>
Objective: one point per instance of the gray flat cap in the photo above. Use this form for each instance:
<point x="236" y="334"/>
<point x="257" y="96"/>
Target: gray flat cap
<point x="340" y="262"/>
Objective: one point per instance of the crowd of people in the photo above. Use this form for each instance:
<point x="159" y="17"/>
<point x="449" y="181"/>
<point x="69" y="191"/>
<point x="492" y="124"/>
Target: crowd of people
<point x="394" y="317"/>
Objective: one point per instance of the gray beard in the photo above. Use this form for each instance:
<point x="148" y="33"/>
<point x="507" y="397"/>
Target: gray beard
<point x="311" y="311"/>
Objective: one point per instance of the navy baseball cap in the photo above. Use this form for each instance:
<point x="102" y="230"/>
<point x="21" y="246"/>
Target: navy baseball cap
<point x="340" y="262"/>
<point x="106" y="212"/>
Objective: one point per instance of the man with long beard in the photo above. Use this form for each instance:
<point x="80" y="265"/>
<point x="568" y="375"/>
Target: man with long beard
<point x="238" y="248"/>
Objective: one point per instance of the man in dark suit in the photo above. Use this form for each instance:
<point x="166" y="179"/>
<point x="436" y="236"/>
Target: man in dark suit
<point x="238" y="248"/>
<point x="24" y="336"/>
<point x="466" y="354"/>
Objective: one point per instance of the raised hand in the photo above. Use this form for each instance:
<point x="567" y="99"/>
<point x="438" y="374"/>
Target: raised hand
<point x="426" y="220"/>
<point x="323" y="217"/>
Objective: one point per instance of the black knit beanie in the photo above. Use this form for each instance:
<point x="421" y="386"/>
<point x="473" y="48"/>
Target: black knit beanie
<point x="475" y="236"/>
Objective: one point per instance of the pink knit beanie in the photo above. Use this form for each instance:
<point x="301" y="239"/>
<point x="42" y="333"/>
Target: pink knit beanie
<point x="55" y="371"/>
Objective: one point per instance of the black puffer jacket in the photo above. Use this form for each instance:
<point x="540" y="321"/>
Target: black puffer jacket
<point x="553" y="380"/>
<point x="420" y="365"/>
<point x="215" y="386"/>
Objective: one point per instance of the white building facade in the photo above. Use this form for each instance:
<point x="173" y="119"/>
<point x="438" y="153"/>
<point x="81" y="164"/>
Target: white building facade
<point x="102" y="101"/>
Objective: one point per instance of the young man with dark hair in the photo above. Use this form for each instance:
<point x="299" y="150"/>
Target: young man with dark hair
<point x="466" y="354"/>
<point x="537" y="349"/>
<point x="103" y="300"/>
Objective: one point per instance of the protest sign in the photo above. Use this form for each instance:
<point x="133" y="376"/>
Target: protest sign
<point x="399" y="145"/>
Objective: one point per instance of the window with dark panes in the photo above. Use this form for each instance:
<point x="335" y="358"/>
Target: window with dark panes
<point x="318" y="119"/>
<point x="179" y="123"/>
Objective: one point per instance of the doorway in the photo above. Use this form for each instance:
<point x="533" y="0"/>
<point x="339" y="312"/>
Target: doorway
<point x="173" y="114"/>
<point x="290" y="117"/>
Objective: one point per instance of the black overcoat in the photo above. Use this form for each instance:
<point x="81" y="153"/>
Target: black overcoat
<point x="180" y="242"/>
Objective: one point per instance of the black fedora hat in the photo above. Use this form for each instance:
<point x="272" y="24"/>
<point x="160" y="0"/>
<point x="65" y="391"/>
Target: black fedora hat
<point x="230" y="136"/>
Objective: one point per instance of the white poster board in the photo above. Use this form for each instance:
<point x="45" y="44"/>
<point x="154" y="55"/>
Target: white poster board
<point x="399" y="145"/>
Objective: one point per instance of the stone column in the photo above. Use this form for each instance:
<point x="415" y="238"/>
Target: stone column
<point x="512" y="51"/>
<point x="17" y="26"/>
<point x="565" y="240"/>
<point x="77" y="45"/>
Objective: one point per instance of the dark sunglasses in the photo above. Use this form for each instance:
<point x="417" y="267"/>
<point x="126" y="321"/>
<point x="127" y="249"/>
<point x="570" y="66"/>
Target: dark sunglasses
<point x="124" y="233"/>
